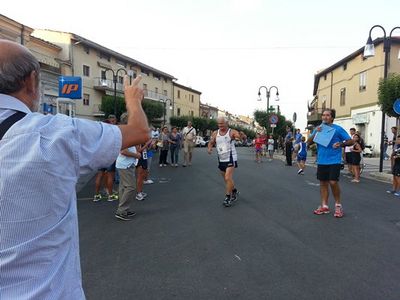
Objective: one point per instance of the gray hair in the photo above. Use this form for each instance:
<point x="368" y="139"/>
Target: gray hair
<point x="225" y="119"/>
<point x="15" y="70"/>
<point x="124" y="118"/>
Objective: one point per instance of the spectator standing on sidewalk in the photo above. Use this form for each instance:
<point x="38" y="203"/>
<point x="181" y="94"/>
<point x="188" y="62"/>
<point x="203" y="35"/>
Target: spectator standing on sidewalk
<point x="393" y="141"/>
<point x="385" y="147"/>
<point x="288" y="146"/>
<point x="271" y="147"/>
<point x="105" y="176"/>
<point x="395" y="164"/>
<point x="189" y="140"/>
<point x="329" y="162"/>
<point x="348" y="153"/>
<point x="38" y="208"/>
<point x="150" y="154"/>
<point x="164" y="146"/>
<point x="126" y="163"/>
<point x="356" y="150"/>
<point x="175" y="146"/>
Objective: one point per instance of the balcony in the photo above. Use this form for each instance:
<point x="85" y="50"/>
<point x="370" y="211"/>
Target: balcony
<point x="314" y="115"/>
<point x="102" y="84"/>
<point x="152" y="95"/>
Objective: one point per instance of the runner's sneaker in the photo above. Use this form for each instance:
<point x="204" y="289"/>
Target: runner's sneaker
<point x="235" y="194"/>
<point x="299" y="171"/>
<point x="322" y="210"/>
<point x="391" y="192"/>
<point x="97" y="197"/>
<point x="227" y="201"/>
<point x="131" y="213"/>
<point x="140" y="196"/>
<point x="112" y="197"/>
<point x="397" y="194"/>
<point x="122" y="217"/>
<point x="338" y="211"/>
<point x="148" y="181"/>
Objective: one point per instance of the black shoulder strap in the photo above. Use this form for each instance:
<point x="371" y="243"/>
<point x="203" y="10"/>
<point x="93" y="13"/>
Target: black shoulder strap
<point x="10" y="121"/>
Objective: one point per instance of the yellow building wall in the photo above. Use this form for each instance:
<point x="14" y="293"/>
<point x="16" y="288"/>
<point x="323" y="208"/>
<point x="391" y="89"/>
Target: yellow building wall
<point x="185" y="103"/>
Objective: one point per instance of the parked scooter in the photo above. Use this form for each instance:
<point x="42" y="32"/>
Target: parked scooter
<point x="368" y="151"/>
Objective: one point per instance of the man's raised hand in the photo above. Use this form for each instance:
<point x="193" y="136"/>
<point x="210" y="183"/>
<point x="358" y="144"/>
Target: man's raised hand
<point x="132" y="91"/>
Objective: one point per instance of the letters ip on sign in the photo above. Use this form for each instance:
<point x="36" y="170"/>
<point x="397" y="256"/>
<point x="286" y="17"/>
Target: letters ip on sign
<point x="70" y="87"/>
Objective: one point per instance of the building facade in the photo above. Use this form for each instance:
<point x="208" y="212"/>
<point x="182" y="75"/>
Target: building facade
<point x="186" y="101"/>
<point x="208" y="111"/>
<point x="97" y="66"/>
<point x="45" y="52"/>
<point x="350" y="86"/>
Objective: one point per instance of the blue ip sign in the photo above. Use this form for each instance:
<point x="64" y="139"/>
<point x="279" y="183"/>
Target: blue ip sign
<point x="396" y="106"/>
<point x="70" y="87"/>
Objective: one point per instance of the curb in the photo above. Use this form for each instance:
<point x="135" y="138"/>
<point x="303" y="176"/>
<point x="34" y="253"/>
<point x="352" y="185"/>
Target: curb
<point x="384" y="177"/>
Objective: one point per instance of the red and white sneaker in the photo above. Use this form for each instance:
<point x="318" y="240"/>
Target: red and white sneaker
<point x="338" y="212"/>
<point x="322" y="210"/>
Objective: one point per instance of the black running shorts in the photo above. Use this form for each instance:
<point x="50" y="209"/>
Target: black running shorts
<point x="328" y="172"/>
<point x="349" y="156"/>
<point x="223" y="165"/>
<point x="142" y="163"/>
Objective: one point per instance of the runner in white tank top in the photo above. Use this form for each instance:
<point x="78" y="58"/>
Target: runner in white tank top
<point x="224" y="139"/>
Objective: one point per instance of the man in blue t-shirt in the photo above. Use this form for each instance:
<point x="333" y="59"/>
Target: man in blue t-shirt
<point x="329" y="161"/>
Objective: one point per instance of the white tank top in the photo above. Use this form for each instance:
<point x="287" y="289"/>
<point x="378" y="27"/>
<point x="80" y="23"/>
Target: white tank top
<point x="225" y="147"/>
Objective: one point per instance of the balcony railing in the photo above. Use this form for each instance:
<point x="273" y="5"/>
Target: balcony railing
<point x="152" y="95"/>
<point x="106" y="84"/>
<point x="314" y="115"/>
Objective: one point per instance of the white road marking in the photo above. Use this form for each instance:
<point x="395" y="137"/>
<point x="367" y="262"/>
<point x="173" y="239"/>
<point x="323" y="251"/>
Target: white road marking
<point x="237" y="256"/>
<point x="312" y="183"/>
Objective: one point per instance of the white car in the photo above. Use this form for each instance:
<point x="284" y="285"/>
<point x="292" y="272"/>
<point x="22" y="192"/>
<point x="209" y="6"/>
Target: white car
<point x="200" y="142"/>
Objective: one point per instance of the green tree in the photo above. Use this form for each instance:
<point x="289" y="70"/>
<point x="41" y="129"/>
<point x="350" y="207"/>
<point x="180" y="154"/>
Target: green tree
<point x="388" y="92"/>
<point x="262" y="118"/>
<point x="153" y="110"/>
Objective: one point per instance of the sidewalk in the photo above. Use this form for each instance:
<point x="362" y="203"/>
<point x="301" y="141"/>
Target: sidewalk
<point x="371" y="169"/>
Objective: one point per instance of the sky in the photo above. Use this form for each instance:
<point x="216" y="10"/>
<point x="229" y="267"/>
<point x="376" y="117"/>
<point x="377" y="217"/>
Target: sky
<point x="226" y="49"/>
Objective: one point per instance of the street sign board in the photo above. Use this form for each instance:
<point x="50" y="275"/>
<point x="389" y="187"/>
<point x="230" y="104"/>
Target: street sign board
<point x="273" y="125"/>
<point x="70" y="87"/>
<point x="294" y="117"/>
<point x="273" y="119"/>
<point x="396" y="106"/>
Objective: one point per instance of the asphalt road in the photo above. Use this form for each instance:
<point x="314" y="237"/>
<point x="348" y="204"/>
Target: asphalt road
<point x="183" y="244"/>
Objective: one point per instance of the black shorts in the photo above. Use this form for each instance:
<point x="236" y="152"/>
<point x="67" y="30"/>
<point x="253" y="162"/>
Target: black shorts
<point x="223" y="165"/>
<point x="396" y="169"/>
<point x="142" y="163"/>
<point x="355" y="158"/>
<point x="349" y="156"/>
<point x="328" y="172"/>
<point x="108" y="169"/>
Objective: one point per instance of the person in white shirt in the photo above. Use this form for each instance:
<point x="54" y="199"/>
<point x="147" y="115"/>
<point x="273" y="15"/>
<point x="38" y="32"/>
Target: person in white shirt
<point x="271" y="145"/>
<point x="224" y="139"/>
<point x="348" y="152"/>
<point x="42" y="157"/>
<point x="189" y="140"/>
<point x="126" y="162"/>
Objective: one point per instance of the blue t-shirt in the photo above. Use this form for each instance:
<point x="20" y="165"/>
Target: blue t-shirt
<point x="329" y="155"/>
<point x="302" y="149"/>
<point x="298" y="138"/>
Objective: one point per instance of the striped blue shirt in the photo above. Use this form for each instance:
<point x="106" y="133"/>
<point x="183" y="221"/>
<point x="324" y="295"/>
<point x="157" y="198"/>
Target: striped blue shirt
<point x="41" y="158"/>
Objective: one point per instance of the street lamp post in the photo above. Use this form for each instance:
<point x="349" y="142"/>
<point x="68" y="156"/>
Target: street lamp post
<point x="171" y="107"/>
<point x="268" y="93"/>
<point x="115" y="80"/>
<point x="369" y="51"/>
